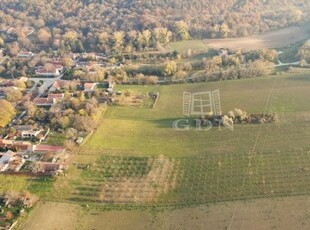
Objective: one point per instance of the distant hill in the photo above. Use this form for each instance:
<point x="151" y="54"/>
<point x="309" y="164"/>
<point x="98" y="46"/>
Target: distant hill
<point x="177" y="19"/>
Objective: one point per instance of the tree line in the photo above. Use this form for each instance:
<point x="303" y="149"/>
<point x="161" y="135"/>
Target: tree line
<point x="128" y="26"/>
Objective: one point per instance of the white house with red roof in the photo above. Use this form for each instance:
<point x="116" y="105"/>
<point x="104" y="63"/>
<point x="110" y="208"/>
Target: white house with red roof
<point x="55" y="69"/>
<point x="45" y="102"/>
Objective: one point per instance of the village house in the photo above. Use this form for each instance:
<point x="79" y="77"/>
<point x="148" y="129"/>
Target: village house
<point x="12" y="144"/>
<point x="41" y="148"/>
<point x="49" y="101"/>
<point x="26" y="131"/>
<point x="56" y="96"/>
<point x="53" y="70"/>
<point x="11" y="162"/>
<point x="44" y="102"/>
<point x="89" y="87"/>
<point x="30" y="133"/>
<point x="58" y="85"/>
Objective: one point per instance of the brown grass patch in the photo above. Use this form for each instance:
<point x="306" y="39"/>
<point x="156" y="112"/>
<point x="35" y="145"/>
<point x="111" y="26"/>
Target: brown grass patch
<point x="140" y="189"/>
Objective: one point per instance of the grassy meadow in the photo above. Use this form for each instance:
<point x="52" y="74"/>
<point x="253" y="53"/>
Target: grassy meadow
<point x="136" y="158"/>
<point x="149" y="132"/>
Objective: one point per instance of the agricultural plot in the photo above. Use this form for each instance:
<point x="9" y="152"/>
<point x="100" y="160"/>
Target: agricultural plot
<point x="274" y="39"/>
<point x="162" y="181"/>
<point x="136" y="158"/>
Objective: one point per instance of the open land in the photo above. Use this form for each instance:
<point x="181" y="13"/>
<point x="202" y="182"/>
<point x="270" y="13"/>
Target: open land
<point x="282" y="213"/>
<point x="122" y="165"/>
<point x="274" y="39"/>
<point x="207" y="177"/>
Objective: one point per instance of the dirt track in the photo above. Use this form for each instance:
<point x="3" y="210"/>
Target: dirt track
<point x="274" y="39"/>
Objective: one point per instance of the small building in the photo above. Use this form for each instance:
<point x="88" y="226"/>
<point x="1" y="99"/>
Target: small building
<point x="58" y="96"/>
<point x="45" y="72"/>
<point x="25" y="54"/>
<point x="89" y="87"/>
<point x="54" y="70"/>
<point x="10" y="161"/>
<point x="48" y="148"/>
<point x="5" y="159"/>
<point x="79" y="140"/>
<point x="30" y="133"/>
<point x="19" y="145"/>
<point x="58" y="85"/>
<point x="44" y="102"/>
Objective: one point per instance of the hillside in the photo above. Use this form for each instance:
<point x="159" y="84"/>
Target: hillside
<point x="92" y="24"/>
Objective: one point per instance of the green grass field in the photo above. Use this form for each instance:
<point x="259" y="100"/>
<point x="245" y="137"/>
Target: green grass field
<point x="253" y="161"/>
<point x="149" y="132"/>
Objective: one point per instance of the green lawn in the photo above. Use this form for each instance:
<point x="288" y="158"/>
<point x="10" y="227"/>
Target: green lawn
<point x="13" y="183"/>
<point x="56" y="139"/>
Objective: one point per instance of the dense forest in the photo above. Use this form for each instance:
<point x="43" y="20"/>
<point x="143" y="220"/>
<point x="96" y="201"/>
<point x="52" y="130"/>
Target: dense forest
<point x="135" y="25"/>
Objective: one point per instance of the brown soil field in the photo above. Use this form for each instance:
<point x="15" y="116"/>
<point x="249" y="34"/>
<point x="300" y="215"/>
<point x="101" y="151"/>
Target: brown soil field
<point x="281" y="213"/>
<point x="274" y="39"/>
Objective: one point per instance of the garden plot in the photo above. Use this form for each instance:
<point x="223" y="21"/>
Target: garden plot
<point x="182" y="181"/>
<point x="123" y="180"/>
